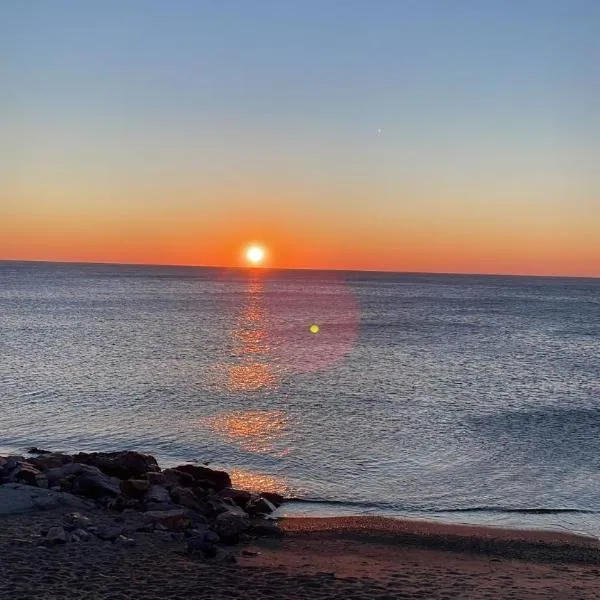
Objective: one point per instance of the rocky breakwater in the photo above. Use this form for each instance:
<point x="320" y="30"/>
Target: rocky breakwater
<point x="189" y="502"/>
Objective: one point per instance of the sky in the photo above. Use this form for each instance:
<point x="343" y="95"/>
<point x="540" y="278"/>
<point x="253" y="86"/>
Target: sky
<point x="404" y="135"/>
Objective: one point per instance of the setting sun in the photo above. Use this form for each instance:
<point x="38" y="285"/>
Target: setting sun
<point x="255" y="255"/>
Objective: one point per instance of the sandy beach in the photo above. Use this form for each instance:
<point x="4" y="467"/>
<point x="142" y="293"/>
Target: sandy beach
<point x="362" y="558"/>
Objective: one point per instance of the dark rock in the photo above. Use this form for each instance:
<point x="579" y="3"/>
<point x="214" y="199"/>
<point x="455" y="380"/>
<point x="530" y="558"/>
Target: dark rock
<point x="35" y="450"/>
<point x="157" y="478"/>
<point x="239" y="497"/>
<point x="77" y="520"/>
<point x="246" y="552"/>
<point x="158" y="493"/>
<point x="96" y="485"/>
<point x="175" y="520"/>
<point x="265" y="528"/>
<point x="124" y="465"/>
<point x="175" y="478"/>
<point x="56" y="535"/>
<point x="230" y="524"/>
<point x="135" y="488"/>
<point x="259" y="506"/>
<point x="50" y="461"/>
<point x="27" y="474"/>
<point x="69" y="471"/>
<point x="275" y="499"/>
<point x="185" y="497"/>
<point x="207" y="477"/>
<point x="108" y="533"/>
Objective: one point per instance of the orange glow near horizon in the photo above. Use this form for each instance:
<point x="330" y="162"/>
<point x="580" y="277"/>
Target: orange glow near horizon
<point x="459" y="242"/>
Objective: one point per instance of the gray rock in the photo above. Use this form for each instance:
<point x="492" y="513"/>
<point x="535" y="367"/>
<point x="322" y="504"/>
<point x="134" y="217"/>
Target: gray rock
<point x="259" y="506"/>
<point x="107" y="532"/>
<point x="19" y="498"/>
<point x="158" y="493"/>
<point x="185" y="497"/>
<point x="124" y="465"/>
<point x="230" y="524"/>
<point x="174" y="520"/>
<point x="97" y="485"/>
<point x="56" y="535"/>
<point x="77" y="519"/>
<point x="82" y="534"/>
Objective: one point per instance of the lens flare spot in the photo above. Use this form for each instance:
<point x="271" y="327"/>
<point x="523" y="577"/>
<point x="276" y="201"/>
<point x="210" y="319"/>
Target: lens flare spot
<point x="314" y="328"/>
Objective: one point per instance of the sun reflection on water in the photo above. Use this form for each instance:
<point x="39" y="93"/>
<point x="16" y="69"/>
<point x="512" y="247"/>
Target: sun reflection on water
<point x="253" y="430"/>
<point x="253" y="369"/>
<point x="259" y="482"/>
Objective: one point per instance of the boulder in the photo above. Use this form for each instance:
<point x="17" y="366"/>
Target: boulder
<point x="259" y="506"/>
<point x="175" y="477"/>
<point x="57" y="535"/>
<point x="185" y="497"/>
<point x="50" y="461"/>
<point x="265" y="528"/>
<point x="58" y="474"/>
<point x="124" y="465"/>
<point x="27" y="474"/>
<point x="206" y="477"/>
<point x="135" y="488"/>
<point x="275" y="499"/>
<point x="174" y="520"/>
<point x="82" y="534"/>
<point x="96" y="485"/>
<point x="108" y="533"/>
<point x="230" y="524"/>
<point x="155" y="478"/>
<point x="239" y="497"/>
<point x="158" y="493"/>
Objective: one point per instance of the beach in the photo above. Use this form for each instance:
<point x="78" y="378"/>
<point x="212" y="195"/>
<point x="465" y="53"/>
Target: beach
<point x="362" y="558"/>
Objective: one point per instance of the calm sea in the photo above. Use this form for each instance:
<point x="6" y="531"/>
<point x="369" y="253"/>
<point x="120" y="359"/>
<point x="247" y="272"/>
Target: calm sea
<point x="462" y="398"/>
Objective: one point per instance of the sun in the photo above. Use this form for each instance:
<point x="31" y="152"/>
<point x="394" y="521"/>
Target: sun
<point x="255" y="255"/>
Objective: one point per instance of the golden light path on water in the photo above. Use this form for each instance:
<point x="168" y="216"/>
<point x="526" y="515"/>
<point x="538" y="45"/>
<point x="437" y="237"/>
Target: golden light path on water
<point x="273" y="336"/>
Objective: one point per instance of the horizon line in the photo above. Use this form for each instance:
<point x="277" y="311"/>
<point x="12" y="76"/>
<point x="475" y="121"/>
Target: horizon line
<point x="264" y="268"/>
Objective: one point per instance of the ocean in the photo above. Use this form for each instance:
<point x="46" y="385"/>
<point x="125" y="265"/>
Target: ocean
<point x="461" y="398"/>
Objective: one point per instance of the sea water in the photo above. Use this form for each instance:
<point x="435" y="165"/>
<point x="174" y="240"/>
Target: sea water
<point x="454" y="397"/>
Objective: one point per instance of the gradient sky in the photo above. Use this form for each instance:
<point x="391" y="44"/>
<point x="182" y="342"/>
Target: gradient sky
<point x="177" y="131"/>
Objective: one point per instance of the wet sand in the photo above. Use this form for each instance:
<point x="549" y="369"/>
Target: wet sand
<point x="351" y="558"/>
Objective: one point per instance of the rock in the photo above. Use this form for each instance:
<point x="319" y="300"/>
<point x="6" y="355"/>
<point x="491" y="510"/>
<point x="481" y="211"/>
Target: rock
<point x="207" y="477"/>
<point x="155" y="478"/>
<point x="96" y="485"/>
<point x="124" y="465"/>
<point x="56" y="535"/>
<point x="265" y="528"/>
<point x="108" y="533"/>
<point x="230" y="524"/>
<point x="57" y="474"/>
<point x="185" y="497"/>
<point x="275" y="499"/>
<point x="19" y="498"/>
<point x="135" y="488"/>
<point x="246" y="552"/>
<point x="50" y="461"/>
<point x="158" y="493"/>
<point x="239" y="497"/>
<point x="259" y="506"/>
<point x="174" y="478"/>
<point x="174" y="520"/>
<point x="27" y="474"/>
<point x="77" y="520"/>
<point x="35" y="450"/>
<point x="11" y="462"/>
<point x="82" y="534"/>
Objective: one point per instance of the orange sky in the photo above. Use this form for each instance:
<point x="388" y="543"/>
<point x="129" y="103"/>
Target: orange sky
<point x="416" y="137"/>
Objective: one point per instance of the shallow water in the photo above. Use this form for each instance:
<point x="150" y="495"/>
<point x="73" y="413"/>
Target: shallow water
<point x="467" y="398"/>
